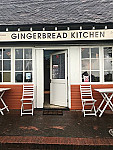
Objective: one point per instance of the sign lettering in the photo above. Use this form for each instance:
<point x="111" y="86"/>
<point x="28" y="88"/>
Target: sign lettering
<point x="57" y="35"/>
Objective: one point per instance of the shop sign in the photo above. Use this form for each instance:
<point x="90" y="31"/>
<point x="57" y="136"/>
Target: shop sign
<point x="68" y="35"/>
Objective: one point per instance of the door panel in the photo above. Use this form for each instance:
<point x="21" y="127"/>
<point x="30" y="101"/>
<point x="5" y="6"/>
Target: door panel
<point x="58" y="76"/>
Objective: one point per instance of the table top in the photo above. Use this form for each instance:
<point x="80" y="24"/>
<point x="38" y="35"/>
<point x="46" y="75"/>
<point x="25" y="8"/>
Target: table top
<point x="4" y="89"/>
<point x="105" y="90"/>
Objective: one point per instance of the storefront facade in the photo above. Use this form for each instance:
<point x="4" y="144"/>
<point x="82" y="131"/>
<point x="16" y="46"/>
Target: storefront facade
<point x="56" y="46"/>
<point x="69" y="64"/>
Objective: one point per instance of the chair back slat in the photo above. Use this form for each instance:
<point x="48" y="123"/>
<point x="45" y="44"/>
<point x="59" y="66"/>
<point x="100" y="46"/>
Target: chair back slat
<point x="28" y="91"/>
<point x="86" y="91"/>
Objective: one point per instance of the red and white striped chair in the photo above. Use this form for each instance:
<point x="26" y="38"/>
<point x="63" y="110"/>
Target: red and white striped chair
<point x="88" y="102"/>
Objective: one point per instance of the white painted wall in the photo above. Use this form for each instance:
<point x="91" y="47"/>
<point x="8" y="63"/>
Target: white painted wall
<point x="74" y="64"/>
<point x="40" y="82"/>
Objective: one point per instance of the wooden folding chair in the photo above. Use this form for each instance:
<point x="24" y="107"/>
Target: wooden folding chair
<point x="27" y="100"/>
<point x="88" y="102"/>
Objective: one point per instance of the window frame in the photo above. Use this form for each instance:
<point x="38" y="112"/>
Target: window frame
<point x="7" y="71"/>
<point x="13" y="65"/>
<point x="90" y="59"/>
<point x="104" y="63"/>
<point x="101" y="58"/>
<point x="23" y="60"/>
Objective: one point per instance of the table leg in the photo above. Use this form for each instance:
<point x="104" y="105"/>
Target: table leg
<point x="5" y="106"/>
<point x="1" y="112"/>
<point x="108" y="100"/>
<point x="98" y="109"/>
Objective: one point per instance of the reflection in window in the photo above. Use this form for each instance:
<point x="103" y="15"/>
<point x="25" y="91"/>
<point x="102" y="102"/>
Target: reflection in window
<point x="6" y="53"/>
<point x="18" y="65"/>
<point x="95" y="76"/>
<point x="94" y="64"/>
<point x="5" y="65"/>
<point x="28" y="64"/>
<point x="108" y="64"/>
<point x="90" y="65"/>
<point x="18" y="53"/>
<point x="19" y="77"/>
<point x="107" y="52"/>
<point x="108" y="76"/>
<point x="86" y="64"/>
<point x="0" y="65"/>
<point x="94" y="52"/>
<point x="27" y="53"/>
<point x="23" y="64"/>
<point x="0" y="53"/>
<point x="0" y="76"/>
<point x="58" y="66"/>
<point x="85" y="52"/>
<point x="7" y="77"/>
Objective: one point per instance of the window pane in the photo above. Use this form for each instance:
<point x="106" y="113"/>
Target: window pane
<point x="19" y="77"/>
<point x="0" y="53"/>
<point x="19" y="65"/>
<point x="19" y="53"/>
<point x="86" y="64"/>
<point x="0" y="65"/>
<point x="94" y="52"/>
<point x="28" y="77"/>
<point x="85" y="76"/>
<point x="28" y="65"/>
<point x="108" y="76"/>
<point x="107" y="52"/>
<point x="85" y="52"/>
<point x="6" y="77"/>
<point x="58" y="66"/>
<point x="7" y="65"/>
<point x="95" y="64"/>
<point x="6" y="53"/>
<point x="28" y="53"/>
<point x="0" y="76"/>
<point x="107" y="64"/>
<point x="95" y="76"/>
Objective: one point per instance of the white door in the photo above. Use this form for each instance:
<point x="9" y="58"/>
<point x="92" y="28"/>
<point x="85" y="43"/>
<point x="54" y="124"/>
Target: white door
<point x="58" y="78"/>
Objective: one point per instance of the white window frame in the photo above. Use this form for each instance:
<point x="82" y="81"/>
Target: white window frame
<point x="90" y="64"/>
<point x="13" y="65"/>
<point x="2" y="65"/>
<point x="23" y="71"/>
<point x="103" y="63"/>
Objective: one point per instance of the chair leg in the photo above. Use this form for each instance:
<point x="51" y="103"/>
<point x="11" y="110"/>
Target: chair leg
<point x="21" y="108"/>
<point x="24" y="111"/>
<point x="32" y="108"/>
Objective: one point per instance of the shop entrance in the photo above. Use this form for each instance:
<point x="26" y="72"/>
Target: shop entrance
<point x="55" y="78"/>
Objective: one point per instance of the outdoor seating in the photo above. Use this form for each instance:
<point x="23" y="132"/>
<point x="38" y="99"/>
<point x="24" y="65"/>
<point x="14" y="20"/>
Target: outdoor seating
<point x="27" y="106"/>
<point x="88" y="102"/>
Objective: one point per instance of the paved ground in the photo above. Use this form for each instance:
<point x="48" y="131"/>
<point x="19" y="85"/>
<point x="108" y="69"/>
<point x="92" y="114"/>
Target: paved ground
<point x="70" y="129"/>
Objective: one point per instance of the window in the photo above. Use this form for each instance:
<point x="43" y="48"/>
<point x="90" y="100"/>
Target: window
<point x="90" y="68"/>
<point x="58" y="66"/>
<point x="23" y="65"/>
<point x="5" y="65"/>
<point x="108" y="64"/>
